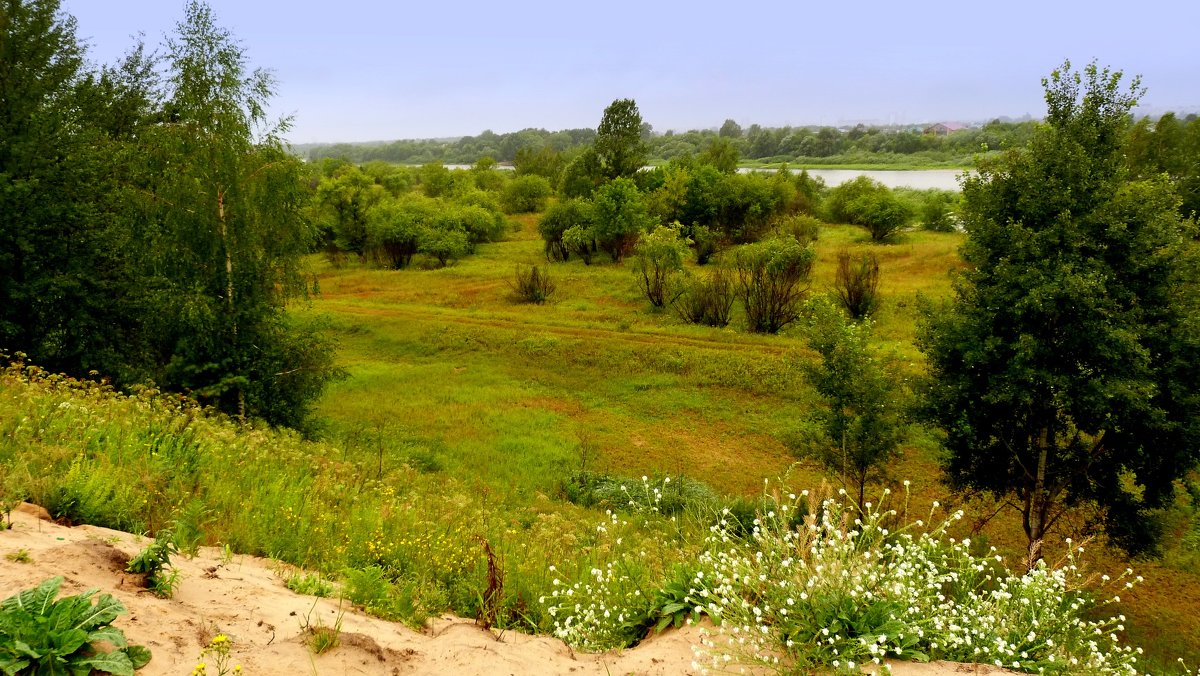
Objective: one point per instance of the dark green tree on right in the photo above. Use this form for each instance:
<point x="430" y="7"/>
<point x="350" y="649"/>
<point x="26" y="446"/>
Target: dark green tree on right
<point x="1064" y="371"/>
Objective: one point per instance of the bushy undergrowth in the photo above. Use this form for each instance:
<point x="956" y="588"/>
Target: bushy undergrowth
<point x="706" y="299"/>
<point x="667" y="496"/>
<point x="840" y="588"/>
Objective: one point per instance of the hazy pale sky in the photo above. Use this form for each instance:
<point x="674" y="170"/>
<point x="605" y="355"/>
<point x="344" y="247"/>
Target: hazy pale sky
<point x="355" y="70"/>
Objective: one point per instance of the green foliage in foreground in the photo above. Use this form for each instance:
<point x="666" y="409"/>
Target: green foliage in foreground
<point x="842" y="588"/>
<point x="406" y="545"/>
<point x="408" y="533"/>
<point x="864" y="423"/>
<point x="43" y="636"/>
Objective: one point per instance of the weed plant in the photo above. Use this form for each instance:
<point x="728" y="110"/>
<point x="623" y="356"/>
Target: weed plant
<point x="532" y="284"/>
<point x="217" y="655"/>
<point x="40" y="634"/>
<point x="155" y="563"/>
<point x="309" y="585"/>
<point x="319" y="637"/>
<point x="666" y="496"/>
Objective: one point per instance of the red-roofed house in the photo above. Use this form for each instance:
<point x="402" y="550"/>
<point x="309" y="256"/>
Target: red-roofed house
<point x="943" y="128"/>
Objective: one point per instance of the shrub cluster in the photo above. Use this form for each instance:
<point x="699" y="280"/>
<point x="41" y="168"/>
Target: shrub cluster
<point x="532" y="284"/>
<point x="706" y="299"/>
<point x="398" y="228"/>
<point x="866" y="202"/>
<point x="857" y="283"/>
<point x="772" y="281"/>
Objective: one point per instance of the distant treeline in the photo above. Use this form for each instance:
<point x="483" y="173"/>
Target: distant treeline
<point x="813" y="145"/>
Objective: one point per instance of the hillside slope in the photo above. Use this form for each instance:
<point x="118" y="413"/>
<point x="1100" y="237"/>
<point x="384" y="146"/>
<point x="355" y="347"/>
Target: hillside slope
<point x="245" y="599"/>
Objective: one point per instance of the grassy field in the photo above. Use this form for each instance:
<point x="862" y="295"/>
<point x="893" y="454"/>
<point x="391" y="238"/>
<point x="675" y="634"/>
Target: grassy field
<point x="515" y="397"/>
<point x="465" y="417"/>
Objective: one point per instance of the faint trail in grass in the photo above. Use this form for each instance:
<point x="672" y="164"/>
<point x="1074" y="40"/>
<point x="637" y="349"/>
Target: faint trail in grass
<point x="607" y="335"/>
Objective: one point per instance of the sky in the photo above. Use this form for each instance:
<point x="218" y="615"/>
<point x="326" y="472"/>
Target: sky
<point x="360" y="70"/>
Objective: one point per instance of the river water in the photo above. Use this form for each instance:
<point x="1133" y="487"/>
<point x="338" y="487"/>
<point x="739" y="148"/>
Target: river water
<point x="921" y="179"/>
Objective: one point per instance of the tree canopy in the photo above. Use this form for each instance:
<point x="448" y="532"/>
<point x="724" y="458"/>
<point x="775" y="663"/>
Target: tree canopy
<point x="1064" y="369"/>
<point x="152" y="220"/>
<point x="618" y="143"/>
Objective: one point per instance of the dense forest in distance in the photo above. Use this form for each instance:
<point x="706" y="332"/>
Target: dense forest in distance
<point x="923" y="145"/>
<point x="928" y="145"/>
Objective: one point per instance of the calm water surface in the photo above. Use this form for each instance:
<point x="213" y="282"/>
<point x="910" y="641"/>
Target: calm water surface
<point x="921" y="179"/>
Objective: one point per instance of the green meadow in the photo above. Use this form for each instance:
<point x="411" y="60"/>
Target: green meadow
<point x="472" y="427"/>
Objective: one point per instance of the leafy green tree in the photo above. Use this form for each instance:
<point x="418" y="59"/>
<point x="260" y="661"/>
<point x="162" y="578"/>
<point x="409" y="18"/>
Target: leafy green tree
<point x="480" y="223"/>
<point x="619" y="145"/>
<point x="882" y="213"/>
<point x="394" y="229"/>
<point x="866" y="202"/>
<point x="436" y="179"/>
<point x="705" y="243"/>
<point x="706" y="194"/>
<point x="546" y="162"/>
<point x="582" y="175"/>
<point x="581" y="241"/>
<point x="937" y="210"/>
<point x="658" y="257"/>
<point x="730" y="129"/>
<point x="838" y="205"/>
<point x="558" y="219"/>
<point x="224" y="231"/>
<point x="861" y="430"/>
<point x="65" y="268"/>
<point x="722" y="154"/>
<point x="773" y="281"/>
<point x="668" y="196"/>
<point x="620" y="216"/>
<point x="486" y="175"/>
<point x="1064" y="370"/>
<point x="344" y="201"/>
<point x="749" y="203"/>
<point x="527" y="194"/>
<point x="444" y="239"/>
<point x="1168" y="146"/>
<point x="393" y="179"/>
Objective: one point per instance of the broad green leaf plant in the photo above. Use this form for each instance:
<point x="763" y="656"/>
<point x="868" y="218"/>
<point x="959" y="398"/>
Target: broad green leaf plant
<point x="41" y="636"/>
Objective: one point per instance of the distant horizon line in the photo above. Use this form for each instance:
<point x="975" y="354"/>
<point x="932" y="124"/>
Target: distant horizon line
<point x="1138" y="112"/>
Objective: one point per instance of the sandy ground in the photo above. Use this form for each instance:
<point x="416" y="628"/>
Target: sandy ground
<point x="247" y="600"/>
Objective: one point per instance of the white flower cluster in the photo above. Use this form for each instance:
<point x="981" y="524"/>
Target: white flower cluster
<point x="842" y="588"/>
<point x="592" y="614"/>
<point x="845" y="592"/>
